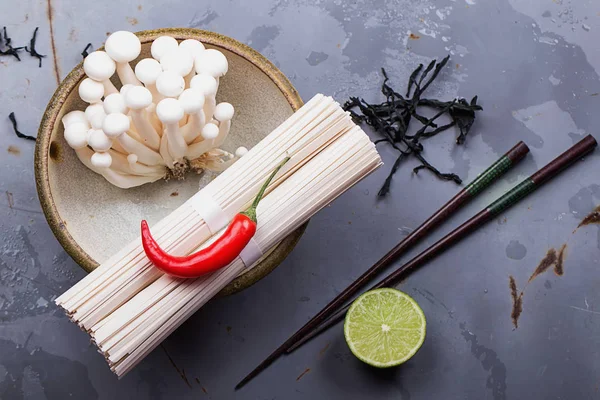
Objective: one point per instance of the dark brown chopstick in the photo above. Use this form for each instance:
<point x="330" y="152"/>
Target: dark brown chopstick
<point x="510" y="198"/>
<point x="507" y="161"/>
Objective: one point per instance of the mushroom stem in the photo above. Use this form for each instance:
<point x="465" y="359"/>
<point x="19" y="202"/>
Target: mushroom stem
<point x="195" y="150"/>
<point x="170" y="112"/>
<point x="210" y="102"/>
<point x="126" y="74"/>
<point x="145" y="128"/>
<point x="145" y="155"/>
<point x="156" y="97"/>
<point x="193" y="128"/>
<point x="109" y="88"/>
<point x="164" y="152"/>
<point x="121" y="163"/>
<point x="224" y="127"/>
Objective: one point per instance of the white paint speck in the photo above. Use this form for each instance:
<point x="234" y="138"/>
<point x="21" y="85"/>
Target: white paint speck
<point x="428" y="32"/>
<point x="42" y="302"/>
<point x="554" y="80"/>
<point x="586" y="27"/>
<point x="471" y="2"/>
<point x="445" y="38"/>
<point x="440" y="15"/>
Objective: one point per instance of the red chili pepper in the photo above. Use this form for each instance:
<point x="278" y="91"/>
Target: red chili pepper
<point x="216" y="256"/>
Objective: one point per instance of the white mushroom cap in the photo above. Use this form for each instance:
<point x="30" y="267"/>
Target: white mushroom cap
<point x="162" y="46"/>
<point x="98" y="140"/>
<point x="101" y="160"/>
<point x="76" y="135"/>
<point x="125" y="88"/>
<point x="138" y="97"/>
<point x="115" y="125"/>
<point x="74" y="116"/>
<point x="192" y="100"/>
<point x="148" y="70"/>
<point x="179" y="61"/>
<point x="170" y="84"/>
<point x="211" y="62"/>
<point x="93" y="109"/>
<point x="132" y="158"/>
<point x="223" y="112"/>
<point x="91" y="91"/>
<point x="169" y="110"/>
<point x="123" y="46"/>
<point x="115" y="103"/>
<point x="206" y="83"/>
<point x="95" y="114"/>
<point x="192" y="46"/>
<point x="99" y="66"/>
<point x="210" y="131"/>
<point x="241" y="151"/>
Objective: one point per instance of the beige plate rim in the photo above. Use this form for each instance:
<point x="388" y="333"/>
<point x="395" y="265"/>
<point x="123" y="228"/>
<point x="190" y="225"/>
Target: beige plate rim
<point x="69" y="84"/>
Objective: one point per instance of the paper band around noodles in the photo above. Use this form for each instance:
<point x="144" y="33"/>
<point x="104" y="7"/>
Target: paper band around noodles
<point x="210" y="211"/>
<point x="251" y="253"/>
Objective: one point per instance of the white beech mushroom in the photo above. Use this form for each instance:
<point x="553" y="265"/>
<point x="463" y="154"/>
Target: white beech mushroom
<point x="209" y="133"/>
<point x="73" y="117"/>
<point x="91" y="91"/>
<point x="241" y="152"/>
<point x="98" y="140"/>
<point x="223" y="113"/>
<point x="115" y="103"/>
<point x="147" y="71"/>
<point x="170" y="84"/>
<point x="101" y="160"/>
<point x="208" y="85"/>
<point x="178" y="60"/>
<point x="162" y="45"/>
<point x="95" y="115"/>
<point x="116" y="127"/>
<point x="124" y="47"/>
<point x="193" y="46"/>
<point x="169" y="111"/>
<point x="192" y="101"/>
<point x="76" y="135"/>
<point x="211" y="62"/>
<point x="100" y="67"/>
<point x="138" y="98"/>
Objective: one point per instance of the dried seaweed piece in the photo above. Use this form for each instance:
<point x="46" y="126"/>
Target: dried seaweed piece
<point x="11" y="51"/>
<point x="391" y="119"/>
<point x="85" y="52"/>
<point x="13" y="120"/>
<point x="31" y="49"/>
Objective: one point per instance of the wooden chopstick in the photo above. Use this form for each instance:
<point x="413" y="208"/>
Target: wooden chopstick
<point x="510" y="198"/>
<point x="507" y="161"/>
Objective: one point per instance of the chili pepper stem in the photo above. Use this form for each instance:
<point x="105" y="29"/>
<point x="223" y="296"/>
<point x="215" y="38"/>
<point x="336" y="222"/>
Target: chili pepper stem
<point x="251" y="212"/>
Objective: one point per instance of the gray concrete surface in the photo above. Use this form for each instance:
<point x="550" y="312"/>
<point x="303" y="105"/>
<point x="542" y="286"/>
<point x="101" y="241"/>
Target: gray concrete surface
<point x="535" y="65"/>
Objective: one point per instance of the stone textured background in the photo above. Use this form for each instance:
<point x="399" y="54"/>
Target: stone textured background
<point x="535" y="66"/>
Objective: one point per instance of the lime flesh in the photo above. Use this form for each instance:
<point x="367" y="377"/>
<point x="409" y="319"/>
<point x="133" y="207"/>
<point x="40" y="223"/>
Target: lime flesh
<point x="384" y="327"/>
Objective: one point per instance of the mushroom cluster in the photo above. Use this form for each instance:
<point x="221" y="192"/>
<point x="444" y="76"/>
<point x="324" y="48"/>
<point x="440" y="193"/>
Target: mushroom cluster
<point x="162" y="122"/>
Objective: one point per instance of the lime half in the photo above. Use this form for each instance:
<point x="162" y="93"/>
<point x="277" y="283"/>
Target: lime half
<point x="384" y="327"/>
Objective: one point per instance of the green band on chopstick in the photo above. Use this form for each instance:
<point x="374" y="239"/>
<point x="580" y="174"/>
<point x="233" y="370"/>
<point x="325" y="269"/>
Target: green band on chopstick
<point x="484" y="179"/>
<point x="512" y="196"/>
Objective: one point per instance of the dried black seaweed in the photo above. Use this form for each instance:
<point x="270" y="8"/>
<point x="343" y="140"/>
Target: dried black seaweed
<point x="391" y="119"/>
<point x="13" y="120"/>
<point x="6" y="43"/>
<point x="85" y="52"/>
<point x="31" y="49"/>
